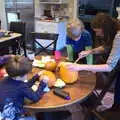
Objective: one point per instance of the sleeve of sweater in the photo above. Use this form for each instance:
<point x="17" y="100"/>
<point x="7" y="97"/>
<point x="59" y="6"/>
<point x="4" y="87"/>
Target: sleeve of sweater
<point x="33" y="80"/>
<point x="30" y="94"/>
<point x="115" y="52"/>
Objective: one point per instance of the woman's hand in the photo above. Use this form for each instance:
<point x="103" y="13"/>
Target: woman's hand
<point x="84" y="53"/>
<point x="73" y="67"/>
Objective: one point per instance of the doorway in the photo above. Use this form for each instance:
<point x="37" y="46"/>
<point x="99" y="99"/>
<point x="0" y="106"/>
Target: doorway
<point x="22" y="10"/>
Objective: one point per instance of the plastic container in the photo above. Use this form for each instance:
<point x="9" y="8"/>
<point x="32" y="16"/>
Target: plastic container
<point x="57" y="55"/>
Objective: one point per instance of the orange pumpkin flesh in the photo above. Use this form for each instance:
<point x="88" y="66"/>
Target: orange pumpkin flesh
<point x="68" y="76"/>
<point x="50" y="75"/>
<point x="50" y="65"/>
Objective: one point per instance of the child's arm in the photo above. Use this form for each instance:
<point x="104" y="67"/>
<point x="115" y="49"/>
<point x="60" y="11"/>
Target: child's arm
<point x="34" y="95"/>
<point x="33" y="80"/>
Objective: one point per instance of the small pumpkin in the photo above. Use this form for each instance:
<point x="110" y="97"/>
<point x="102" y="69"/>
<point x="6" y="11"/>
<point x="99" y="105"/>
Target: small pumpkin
<point x="66" y="75"/>
<point x="50" y="65"/>
<point x="51" y="76"/>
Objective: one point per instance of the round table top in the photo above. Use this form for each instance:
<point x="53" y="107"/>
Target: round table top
<point x="78" y="91"/>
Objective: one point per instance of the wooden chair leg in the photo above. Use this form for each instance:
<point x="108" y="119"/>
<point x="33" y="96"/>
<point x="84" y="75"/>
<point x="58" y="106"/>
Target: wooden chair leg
<point x="97" y="115"/>
<point x="107" y="115"/>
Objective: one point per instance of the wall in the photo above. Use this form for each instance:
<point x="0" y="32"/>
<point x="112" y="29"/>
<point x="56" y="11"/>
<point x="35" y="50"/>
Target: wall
<point x="38" y="8"/>
<point x="3" y="15"/>
<point x="72" y="8"/>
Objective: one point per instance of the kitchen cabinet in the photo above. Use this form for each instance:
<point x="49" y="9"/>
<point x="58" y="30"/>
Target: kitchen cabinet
<point x="89" y="8"/>
<point x="53" y="27"/>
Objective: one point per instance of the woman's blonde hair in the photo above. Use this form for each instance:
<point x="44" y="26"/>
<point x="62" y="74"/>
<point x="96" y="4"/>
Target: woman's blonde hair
<point x="74" y="23"/>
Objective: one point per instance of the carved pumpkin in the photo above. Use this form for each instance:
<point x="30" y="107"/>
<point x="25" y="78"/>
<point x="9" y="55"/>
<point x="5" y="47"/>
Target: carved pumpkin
<point x="66" y="75"/>
<point x="51" y="76"/>
<point x="50" y="65"/>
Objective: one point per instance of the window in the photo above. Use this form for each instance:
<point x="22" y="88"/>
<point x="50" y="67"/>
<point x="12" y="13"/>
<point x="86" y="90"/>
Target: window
<point x="11" y="16"/>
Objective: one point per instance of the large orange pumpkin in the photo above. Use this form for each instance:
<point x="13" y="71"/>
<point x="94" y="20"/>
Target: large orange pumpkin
<point x="50" y="65"/>
<point x="50" y="75"/>
<point x="66" y="75"/>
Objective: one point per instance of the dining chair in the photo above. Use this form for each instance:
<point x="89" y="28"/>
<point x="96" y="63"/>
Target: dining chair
<point x="107" y="115"/>
<point x="19" y="27"/>
<point x="44" y="42"/>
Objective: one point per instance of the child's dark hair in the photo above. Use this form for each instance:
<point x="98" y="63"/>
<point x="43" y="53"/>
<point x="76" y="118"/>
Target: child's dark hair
<point x="18" y="66"/>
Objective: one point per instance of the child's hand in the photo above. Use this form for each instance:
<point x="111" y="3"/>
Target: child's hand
<point x="45" y="79"/>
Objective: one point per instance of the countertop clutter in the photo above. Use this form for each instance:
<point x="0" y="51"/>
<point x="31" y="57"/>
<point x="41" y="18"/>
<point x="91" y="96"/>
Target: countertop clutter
<point x="49" y="19"/>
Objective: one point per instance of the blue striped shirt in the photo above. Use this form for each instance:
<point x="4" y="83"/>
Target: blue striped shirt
<point x="115" y="52"/>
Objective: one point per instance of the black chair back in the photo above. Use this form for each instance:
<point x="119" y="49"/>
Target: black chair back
<point x="52" y="37"/>
<point x="20" y="27"/>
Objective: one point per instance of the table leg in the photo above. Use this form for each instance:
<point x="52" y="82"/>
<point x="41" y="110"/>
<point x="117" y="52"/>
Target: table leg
<point x="14" y="46"/>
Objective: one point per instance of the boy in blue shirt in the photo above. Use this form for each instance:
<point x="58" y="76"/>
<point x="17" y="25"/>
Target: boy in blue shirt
<point x="78" y="39"/>
<point x="14" y="89"/>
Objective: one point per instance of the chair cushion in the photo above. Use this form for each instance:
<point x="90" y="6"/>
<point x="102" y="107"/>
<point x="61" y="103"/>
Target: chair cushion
<point x="106" y="102"/>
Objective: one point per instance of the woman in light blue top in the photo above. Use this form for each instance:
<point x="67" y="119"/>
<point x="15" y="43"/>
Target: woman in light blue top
<point x="109" y="30"/>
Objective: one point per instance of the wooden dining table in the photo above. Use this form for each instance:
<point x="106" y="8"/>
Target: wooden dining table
<point x="79" y="91"/>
